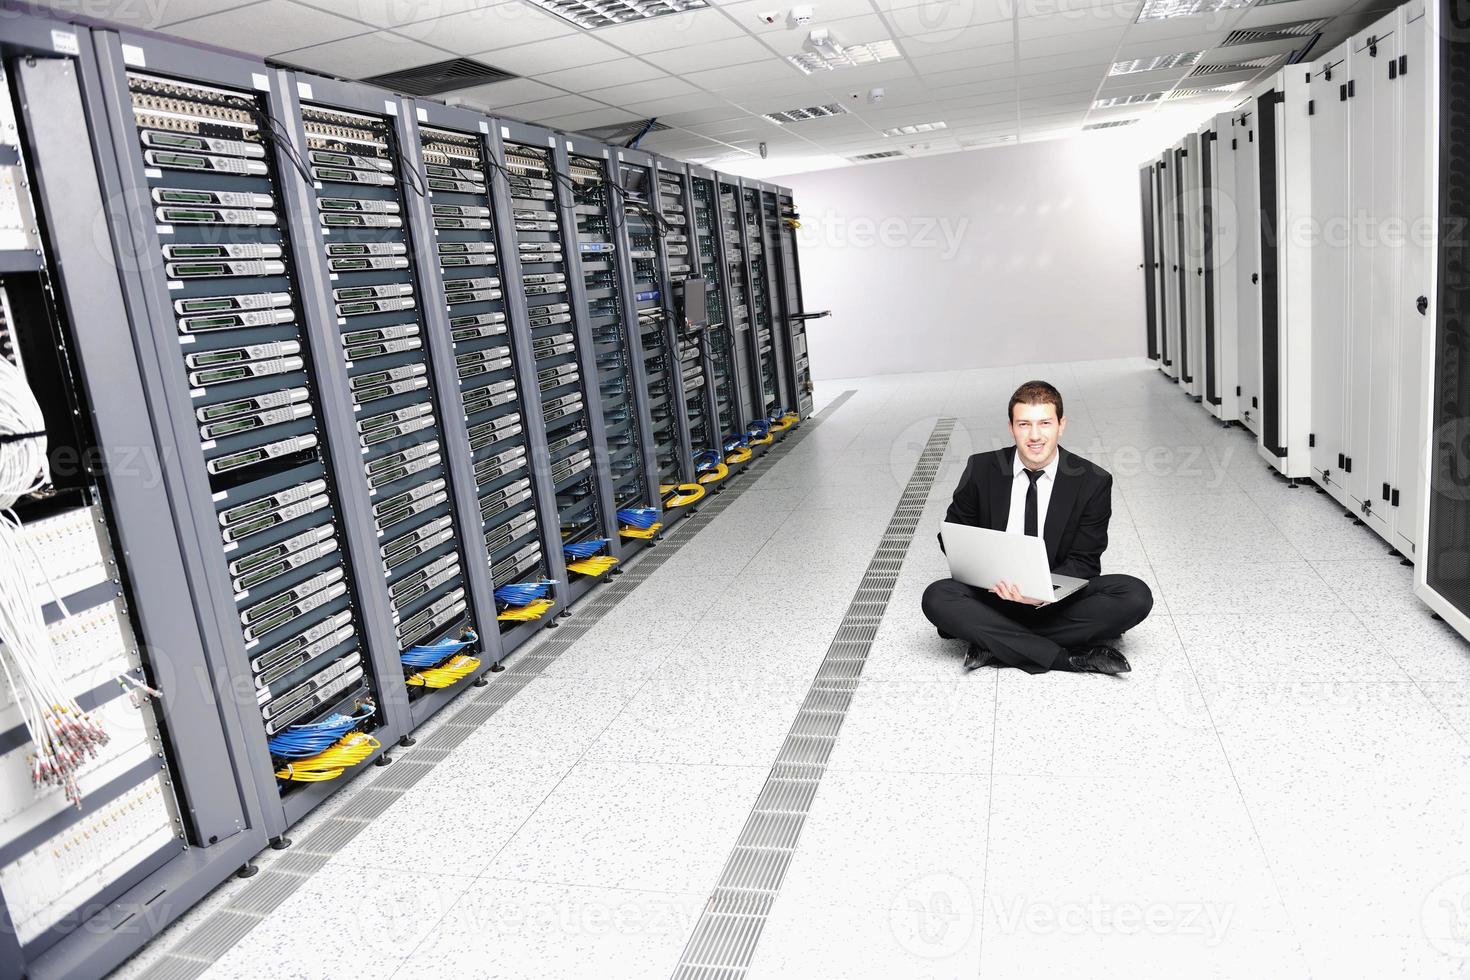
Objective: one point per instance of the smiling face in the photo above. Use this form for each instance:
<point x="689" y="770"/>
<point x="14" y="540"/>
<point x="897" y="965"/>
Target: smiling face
<point x="1036" y="429"/>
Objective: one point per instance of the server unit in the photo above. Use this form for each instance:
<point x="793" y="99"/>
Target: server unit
<point x="766" y="360"/>
<point x="1147" y="182"/>
<point x="1243" y="126"/>
<point x="1190" y="216"/>
<point x="725" y="377"/>
<point x="1219" y="232"/>
<point x="793" y="306"/>
<point x="1171" y="223"/>
<point x="747" y="369"/>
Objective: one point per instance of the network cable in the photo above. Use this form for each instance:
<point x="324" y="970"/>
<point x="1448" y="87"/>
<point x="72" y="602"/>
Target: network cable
<point x="523" y="593"/>
<point x="640" y="517"/>
<point x="350" y="750"/>
<point x="301" y="741"/>
<point x="431" y="654"/>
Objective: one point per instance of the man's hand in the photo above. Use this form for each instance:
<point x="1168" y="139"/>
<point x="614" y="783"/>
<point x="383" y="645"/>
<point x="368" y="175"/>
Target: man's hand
<point x="1008" y="591"/>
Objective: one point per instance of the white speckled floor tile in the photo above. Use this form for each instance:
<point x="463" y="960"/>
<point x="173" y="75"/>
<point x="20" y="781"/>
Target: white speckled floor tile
<point x="344" y="921"/>
<point x="1427" y="649"/>
<point x="553" y="717"/>
<point x="1178" y="942"/>
<point x="919" y="727"/>
<point x="509" y="930"/>
<point x="789" y="650"/>
<point x="634" y="825"/>
<point x="1280" y="649"/>
<point x="838" y="942"/>
<point x="1266" y="588"/>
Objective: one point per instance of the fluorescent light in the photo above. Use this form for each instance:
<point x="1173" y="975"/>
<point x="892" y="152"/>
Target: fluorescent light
<point x="1118" y="100"/>
<point x="1183" y="60"/>
<point x="881" y="155"/>
<point x="915" y="129"/>
<point x="825" y="53"/>
<point x="1111" y="123"/>
<point x="810" y="112"/>
<point x="1164" y="9"/>
<point x="593" y="14"/>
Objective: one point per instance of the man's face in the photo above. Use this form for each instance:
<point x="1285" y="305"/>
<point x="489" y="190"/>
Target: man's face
<point x="1036" y="430"/>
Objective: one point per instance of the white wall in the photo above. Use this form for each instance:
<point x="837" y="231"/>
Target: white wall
<point x="988" y="257"/>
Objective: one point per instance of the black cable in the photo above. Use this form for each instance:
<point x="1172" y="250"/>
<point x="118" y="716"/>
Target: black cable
<point x="21" y="436"/>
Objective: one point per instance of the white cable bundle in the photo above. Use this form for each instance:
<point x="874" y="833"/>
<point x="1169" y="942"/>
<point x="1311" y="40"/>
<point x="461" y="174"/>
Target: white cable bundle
<point x="64" y="735"/>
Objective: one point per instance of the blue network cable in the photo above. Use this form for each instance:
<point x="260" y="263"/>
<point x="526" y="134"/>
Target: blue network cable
<point x="584" y="549"/>
<point x="639" y="517"/>
<point x="523" y="593"/>
<point x="300" y="741"/>
<point x="733" y="444"/>
<point x="760" y="428"/>
<point x="706" y="459"/>
<point x="433" y="654"/>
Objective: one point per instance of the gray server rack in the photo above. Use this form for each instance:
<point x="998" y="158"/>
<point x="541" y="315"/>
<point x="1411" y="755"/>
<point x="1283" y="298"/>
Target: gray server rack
<point x="793" y="306"/>
<point x="740" y="311"/>
<point x="544" y="228"/>
<point x="481" y="281"/>
<point x="1150" y="263"/>
<point x="760" y="219"/>
<point x="709" y="233"/>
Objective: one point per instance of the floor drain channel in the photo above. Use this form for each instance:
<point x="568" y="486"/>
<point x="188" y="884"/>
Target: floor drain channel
<point x="726" y="935"/>
<point x="213" y="936"/>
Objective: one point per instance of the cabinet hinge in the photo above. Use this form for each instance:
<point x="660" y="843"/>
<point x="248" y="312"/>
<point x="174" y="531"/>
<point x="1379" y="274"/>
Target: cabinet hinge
<point x="1237" y="391"/>
<point x="1255" y="402"/>
<point x="1403" y="65"/>
<point x="1393" y="69"/>
<point x="1311" y="107"/>
<point x="1349" y="467"/>
<point x="1311" y="440"/>
<point x="1385" y="492"/>
<point x="1234" y="143"/>
<point x="1342" y="92"/>
<point x="1395" y="501"/>
<point x="1341" y="461"/>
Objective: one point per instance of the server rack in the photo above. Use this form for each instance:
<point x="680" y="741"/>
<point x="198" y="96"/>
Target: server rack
<point x="649" y="317"/>
<point x="770" y="369"/>
<point x="725" y="355"/>
<point x="793" y="305"/>
<point x="1248" y="267"/>
<point x="732" y="241"/>
<point x="367" y="198"/>
<point x="543" y="223"/>
<point x="631" y="389"/>
<point x="1222" y="269"/>
<point x="679" y="261"/>
<point x="164" y="811"/>
<point x="1171" y="223"/>
<point x="1150" y="263"/>
<point x="274" y="514"/>
<point x="1191" y="271"/>
<point x="480" y="281"/>
<point x="1207" y="383"/>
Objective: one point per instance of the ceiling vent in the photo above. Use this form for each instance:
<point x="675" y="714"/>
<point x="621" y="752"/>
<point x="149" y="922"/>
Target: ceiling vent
<point x="884" y="155"/>
<point x="441" y="76"/>
<point x="811" y="112"/>
<point x="1231" y="67"/>
<point x="1110" y="124"/>
<point x="1195" y="93"/>
<point x="1279" y="32"/>
<point x="595" y="14"/>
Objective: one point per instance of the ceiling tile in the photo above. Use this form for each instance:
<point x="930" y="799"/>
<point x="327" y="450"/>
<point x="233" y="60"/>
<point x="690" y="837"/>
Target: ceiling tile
<point x="847" y="30"/>
<point x="588" y="77"/>
<point x="1173" y="28"/>
<point x="733" y="76"/>
<point x="269" y="27"/>
<point x="697" y="118"/>
<point x="1074" y="21"/>
<point x="910" y="18"/>
<point x="656" y="88"/>
<point x="573" y="51"/>
<point x="969" y="76"/>
<point x="1103" y="41"/>
<point x="714" y="54"/>
<point x="561" y="105"/>
<point x="996" y="54"/>
<point x="940" y="42"/>
<point x="863" y="76"/>
<point x="1102" y="59"/>
<point x="504" y="25"/>
<point x="499" y="94"/>
<point x="385" y="15"/>
<point x="671" y="31"/>
<point x="133" y="15"/>
<point x="364" y="56"/>
<point x="591" y="119"/>
<point x="747" y="13"/>
<point x="696" y="102"/>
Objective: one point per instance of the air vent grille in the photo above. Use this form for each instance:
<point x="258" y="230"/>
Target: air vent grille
<point x="810" y="112"/>
<point x="1279" y="32"/>
<point x="884" y="155"/>
<point x="441" y="76"/>
<point x="1110" y="124"/>
<point x="1230" y="67"/>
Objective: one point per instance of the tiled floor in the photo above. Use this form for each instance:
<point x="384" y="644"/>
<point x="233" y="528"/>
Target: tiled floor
<point x="1280" y="789"/>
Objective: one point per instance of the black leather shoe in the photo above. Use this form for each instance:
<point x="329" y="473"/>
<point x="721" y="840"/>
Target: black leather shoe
<point x="1097" y="660"/>
<point x="976" y="656"/>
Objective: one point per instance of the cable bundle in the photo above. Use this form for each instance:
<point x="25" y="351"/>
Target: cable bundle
<point x="431" y="654"/>
<point x="330" y="763"/>
<point x="738" y="455"/>
<point x="639" y="517"/>
<point x="687" y="493"/>
<point x="524" y="593"/>
<point x="534" y="609"/>
<point x="592" y="566"/>
<point x="783" y="422"/>
<point x="584" y="549"/>
<point x="760" y="433"/>
<point x="64" y="735"/>
<point x="454" y="670"/>
<point x="300" y="741"/>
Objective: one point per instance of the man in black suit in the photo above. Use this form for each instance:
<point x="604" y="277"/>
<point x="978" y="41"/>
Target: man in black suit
<point x="1038" y="487"/>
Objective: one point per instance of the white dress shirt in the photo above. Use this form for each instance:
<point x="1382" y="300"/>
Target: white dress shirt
<point x="1016" y="524"/>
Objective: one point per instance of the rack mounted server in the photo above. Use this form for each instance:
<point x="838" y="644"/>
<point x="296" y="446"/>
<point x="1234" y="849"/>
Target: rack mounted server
<point x="369" y="355"/>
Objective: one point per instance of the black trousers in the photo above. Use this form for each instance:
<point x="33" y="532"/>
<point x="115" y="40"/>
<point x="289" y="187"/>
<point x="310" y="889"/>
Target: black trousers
<point x="1035" y="638"/>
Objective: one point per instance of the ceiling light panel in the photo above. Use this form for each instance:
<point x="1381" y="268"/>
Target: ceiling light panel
<point x="1165" y="9"/>
<point x="833" y="55"/>
<point x="882" y="155"/>
<point x="1117" y="100"/>
<point x="1182" y="60"/>
<point x="1111" y="124"/>
<point x="915" y="129"/>
<point x="593" y="14"/>
<point x="811" y="112"/>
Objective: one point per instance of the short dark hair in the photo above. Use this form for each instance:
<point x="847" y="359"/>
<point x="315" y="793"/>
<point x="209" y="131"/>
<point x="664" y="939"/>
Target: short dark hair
<point x="1034" y="393"/>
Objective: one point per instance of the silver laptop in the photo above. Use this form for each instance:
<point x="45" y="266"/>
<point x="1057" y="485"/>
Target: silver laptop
<point x="981" y="557"/>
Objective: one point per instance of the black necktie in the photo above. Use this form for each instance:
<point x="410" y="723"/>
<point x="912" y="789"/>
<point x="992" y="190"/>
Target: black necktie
<point x="1033" y="476"/>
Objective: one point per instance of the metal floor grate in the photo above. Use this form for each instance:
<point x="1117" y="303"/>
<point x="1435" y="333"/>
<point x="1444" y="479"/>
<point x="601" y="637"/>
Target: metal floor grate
<point x="726" y="935"/>
<point x="212" y="937"/>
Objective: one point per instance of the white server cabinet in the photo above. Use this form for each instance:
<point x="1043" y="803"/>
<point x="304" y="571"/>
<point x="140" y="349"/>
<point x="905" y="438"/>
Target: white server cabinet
<point x="1150" y="263"/>
<point x="1191" y="230"/>
<point x="1284" y="154"/>
<point x="1248" y="265"/>
<point x="1329" y="123"/>
<point x="1222" y="243"/>
<point x="1171" y="363"/>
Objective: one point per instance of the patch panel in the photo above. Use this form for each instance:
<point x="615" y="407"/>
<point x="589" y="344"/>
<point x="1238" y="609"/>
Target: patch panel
<point x="45" y="885"/>
<point x="360" y="171"/>
<point x="71" y="552"/>
<point x="230" y="270"/>
<point x="455" y="164"/>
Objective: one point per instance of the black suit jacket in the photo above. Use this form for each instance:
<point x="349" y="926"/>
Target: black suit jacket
<point x="1077" y="515"/>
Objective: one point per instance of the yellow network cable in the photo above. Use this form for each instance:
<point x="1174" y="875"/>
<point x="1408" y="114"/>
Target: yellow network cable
<point x="595" y="565"/>
<point x="687" y="494"/>
<point x="643" y="533"/>
<point x="739" y="455"/>
<point x="764" y="440"/>
<point x="784" y="422"/>
<point x="715" y="475"/>
<point x="456" y="669"/>
<point x="526" y="613"/>
<point x="350" y="750"/>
